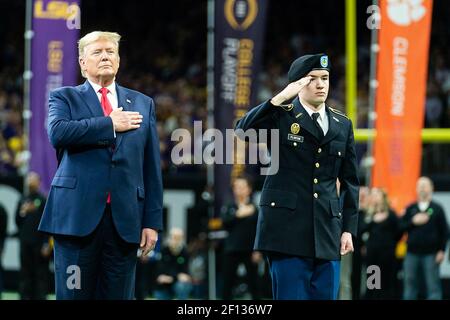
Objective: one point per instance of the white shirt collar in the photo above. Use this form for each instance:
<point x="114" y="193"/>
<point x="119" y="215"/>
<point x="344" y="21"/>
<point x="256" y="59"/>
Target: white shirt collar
<point x="311" y="111"/>
<point x="111" y="87"/>
<point x="423" y="205"/>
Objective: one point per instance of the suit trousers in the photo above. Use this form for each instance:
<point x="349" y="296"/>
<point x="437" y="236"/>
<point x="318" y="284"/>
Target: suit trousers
<point x="297" y="278"/>
<point x="98" y="266"/>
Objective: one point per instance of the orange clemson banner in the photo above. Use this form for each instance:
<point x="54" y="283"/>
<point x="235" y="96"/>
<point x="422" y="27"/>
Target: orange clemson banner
<point x="402" y="67"/>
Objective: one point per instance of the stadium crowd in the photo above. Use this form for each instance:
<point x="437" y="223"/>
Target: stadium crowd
<point x="170" y="66"/>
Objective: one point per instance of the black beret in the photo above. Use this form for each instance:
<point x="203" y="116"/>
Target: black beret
<point x="303" y="65"/>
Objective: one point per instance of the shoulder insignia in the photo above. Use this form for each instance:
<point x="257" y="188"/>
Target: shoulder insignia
<point x="338" y="112"/>
<point x="287" y="107"/>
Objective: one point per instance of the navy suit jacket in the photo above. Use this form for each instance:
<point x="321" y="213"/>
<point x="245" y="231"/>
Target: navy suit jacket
<point x="94" y="163"/>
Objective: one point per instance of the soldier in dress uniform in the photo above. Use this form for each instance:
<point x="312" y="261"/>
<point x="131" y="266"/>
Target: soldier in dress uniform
<point x="305" y="223"/>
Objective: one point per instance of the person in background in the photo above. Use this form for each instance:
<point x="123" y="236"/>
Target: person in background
<point x="427" y="230"/>
<point x="382" y="226"/>
<point x="34" y="245"/>
<point x="172" y="277"/>
<point x="145" y="273"/>
<point x="358" y="242"/>
<point x="240" y="218"/>
<point x="198" y="266"/>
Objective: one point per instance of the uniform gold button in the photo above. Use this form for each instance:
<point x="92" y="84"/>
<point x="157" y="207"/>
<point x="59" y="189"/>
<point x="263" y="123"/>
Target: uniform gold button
<point x="316" y="195"/>
<point x="295" y="144"/>
<point x="320" y="150"/>
<point x="317" y="165"/>
<point x="316" y="181"/>
<point x="339" y="153"/>
<point x="273" y="204"/>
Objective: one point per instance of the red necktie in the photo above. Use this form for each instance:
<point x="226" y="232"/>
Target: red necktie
<point x="106" y="105"/>
<point x="107" y="109"/>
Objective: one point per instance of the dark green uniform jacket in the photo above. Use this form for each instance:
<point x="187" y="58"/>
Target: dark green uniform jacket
<point x="301" y="212"/>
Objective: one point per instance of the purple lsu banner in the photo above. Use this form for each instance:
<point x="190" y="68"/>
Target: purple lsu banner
<point x="238" y="43"/>
<point x="53" y="64"/>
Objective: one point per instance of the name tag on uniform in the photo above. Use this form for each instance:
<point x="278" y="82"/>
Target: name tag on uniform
<point x="293" y="137"/>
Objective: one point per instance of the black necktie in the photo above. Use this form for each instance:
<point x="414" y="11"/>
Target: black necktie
<point x="315" y="116"/>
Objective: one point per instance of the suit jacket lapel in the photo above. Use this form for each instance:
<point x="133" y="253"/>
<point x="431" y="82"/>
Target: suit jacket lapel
<point x="122" y="98"/>
<point x="333" y="127"/>
<point x="303" y="119"/>
<point x="126" y="103"/>
<point x="91" y="100"/>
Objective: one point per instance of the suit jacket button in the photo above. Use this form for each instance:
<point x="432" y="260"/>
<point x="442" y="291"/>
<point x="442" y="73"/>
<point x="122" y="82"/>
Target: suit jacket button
<point x="319" y="150"/>
<point x="340" y="214"/>
<point x="339" y="153"/>
<point x="316" y="195"/>
<point x="317" y="165"/>
<point x="273" y="204"/>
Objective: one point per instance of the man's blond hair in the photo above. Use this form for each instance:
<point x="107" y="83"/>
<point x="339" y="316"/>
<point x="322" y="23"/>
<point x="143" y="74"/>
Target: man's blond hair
<point x="94" y="36"/>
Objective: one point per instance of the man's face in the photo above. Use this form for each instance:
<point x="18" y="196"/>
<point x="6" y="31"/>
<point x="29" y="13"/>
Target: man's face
<point x="33" y="182"/>
<point x="100" y="59"/>
<point x="176" y="239"/>
<point x="316" y="92"/>
<point x="424" y="188"/>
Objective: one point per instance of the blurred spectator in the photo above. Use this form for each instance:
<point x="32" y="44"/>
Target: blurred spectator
<point x="427" y="230"/>
<point x="172" y="277"/>
<point x="35" y="248"/>
<point x="434" y="107"/>
<point x="358" y="255"/>
<point x="240" y="218"/>
<point x="7" y="166"/>
<point x="382" y="226"/>
<point x="174" y="72"/>
<point x="198" y="263"/>
<point x="145" y="273"/>
<point x="3" y="228"/>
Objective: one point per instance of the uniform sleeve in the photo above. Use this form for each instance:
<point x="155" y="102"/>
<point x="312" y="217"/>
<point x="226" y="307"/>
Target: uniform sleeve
<point x="348" y="177"/>
<point x="261" y="117"/>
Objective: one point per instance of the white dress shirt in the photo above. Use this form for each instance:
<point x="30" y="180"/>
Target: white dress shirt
<point x="112" y="94"/>
<point x="423" y="205"/>
<point x="322" y="119"/>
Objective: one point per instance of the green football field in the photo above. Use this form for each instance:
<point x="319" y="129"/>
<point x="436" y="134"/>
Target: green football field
<point x="9" y="295"/>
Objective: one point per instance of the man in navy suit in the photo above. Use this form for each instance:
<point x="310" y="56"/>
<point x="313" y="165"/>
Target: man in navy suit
<point x="106" y="197"/>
